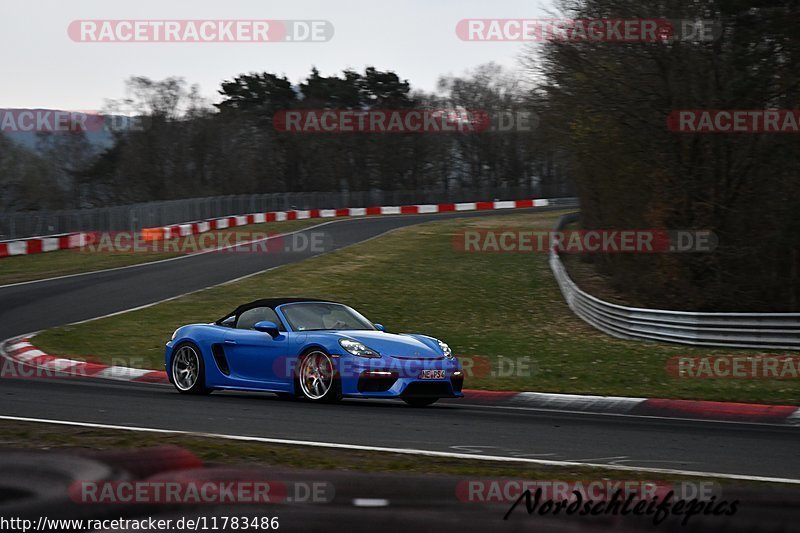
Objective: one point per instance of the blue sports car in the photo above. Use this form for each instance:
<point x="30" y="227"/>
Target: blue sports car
<point x="319" y="350"/>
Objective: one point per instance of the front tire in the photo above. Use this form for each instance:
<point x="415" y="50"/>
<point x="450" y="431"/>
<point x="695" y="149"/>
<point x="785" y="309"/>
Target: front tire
<point x="420" y="402"/>
<point x="316" y="377"/>
<point x="187" y="370"/>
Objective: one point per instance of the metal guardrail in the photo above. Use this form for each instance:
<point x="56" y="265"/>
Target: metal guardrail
<point x="733" y="330"/>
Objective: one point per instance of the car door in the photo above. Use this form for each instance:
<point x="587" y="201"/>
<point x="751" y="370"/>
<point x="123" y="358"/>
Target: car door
<point x="254" y="355"/>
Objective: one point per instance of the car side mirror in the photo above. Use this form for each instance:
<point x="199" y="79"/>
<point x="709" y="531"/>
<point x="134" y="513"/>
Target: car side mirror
<point x="267" y="327"/>
<point x="379" y="327"/>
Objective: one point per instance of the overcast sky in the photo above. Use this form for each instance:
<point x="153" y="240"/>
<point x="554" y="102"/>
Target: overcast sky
<point x="43" y="67"/>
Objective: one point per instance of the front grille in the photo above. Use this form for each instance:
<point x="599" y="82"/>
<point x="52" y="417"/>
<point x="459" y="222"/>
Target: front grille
<point x="435" y="389"/>
<point x="371" y="383"/>
<point x="457" y="382"/>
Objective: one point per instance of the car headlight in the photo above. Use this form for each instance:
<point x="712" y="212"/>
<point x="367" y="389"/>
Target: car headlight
<point x="448" y="353"/>
<point x="174" y="334"/>
<point x="357" y="348"/>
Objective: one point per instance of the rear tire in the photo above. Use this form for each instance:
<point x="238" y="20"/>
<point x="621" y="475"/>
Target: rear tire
<point x="420" y="402"/>
<point x="187" y="370"/>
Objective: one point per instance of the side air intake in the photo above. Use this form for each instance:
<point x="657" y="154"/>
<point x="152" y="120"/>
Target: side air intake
<point x="220" y="359"/>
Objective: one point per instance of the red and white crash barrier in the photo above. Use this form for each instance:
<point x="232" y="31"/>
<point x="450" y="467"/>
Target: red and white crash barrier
<point x="194" y="228"/>
<point x="49" y="243"/>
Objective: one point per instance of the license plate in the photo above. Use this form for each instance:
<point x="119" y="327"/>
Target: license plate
<point x="431" y="374"/>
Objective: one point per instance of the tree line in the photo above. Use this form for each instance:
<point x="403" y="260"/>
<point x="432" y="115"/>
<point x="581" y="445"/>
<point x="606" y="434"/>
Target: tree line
<point x="607" y="105"/>
<point x="184" y="147"/>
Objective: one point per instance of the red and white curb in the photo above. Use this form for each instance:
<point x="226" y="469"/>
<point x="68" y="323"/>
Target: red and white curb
<point x="657" y="407"/>
<point x="22" y="359"/>
<point x="49" y="243"/>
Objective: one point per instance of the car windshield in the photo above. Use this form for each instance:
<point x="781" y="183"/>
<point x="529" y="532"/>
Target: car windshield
<point x="314" y="316"/>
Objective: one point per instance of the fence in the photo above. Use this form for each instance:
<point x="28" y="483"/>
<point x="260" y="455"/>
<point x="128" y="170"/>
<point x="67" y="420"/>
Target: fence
<point x="16" y="225"/>
<point x="736" y="330"/>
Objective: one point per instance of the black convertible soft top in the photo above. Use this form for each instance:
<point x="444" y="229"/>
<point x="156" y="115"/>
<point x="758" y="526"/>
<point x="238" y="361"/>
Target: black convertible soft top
<point x="272" y="303"/>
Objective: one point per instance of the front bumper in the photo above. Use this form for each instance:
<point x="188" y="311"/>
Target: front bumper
<point x="168" y="359"/>
<point x="389" y="377"/>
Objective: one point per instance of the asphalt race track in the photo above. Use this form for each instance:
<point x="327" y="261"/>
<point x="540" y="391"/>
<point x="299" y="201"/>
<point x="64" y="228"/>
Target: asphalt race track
<point x="451" y="426"/>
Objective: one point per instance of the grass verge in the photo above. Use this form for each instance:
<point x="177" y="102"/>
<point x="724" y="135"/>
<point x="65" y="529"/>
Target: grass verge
<point x="505" y="307"/>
